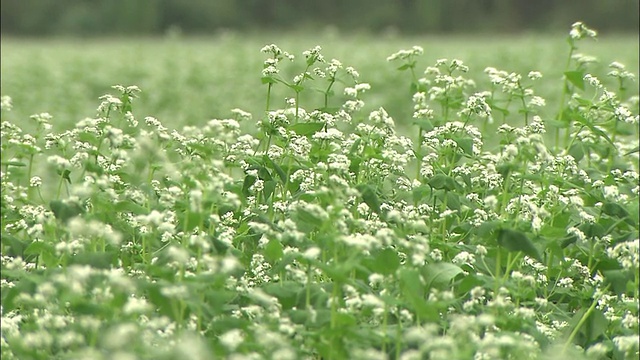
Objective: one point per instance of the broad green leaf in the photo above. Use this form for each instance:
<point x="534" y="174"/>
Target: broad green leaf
<point x="370" y="197"/>
<point x="577" y="151"/>
<point x="318" y="296"/>
<point x="595" y="325"/>
<point x="38" y="248"/>
<point x="453" y="201"/>
<point x="268" y="80"/>
<point x="281" y="174"/>
<point x="420" y="192"/>
<point x="385" y="262"/>
<point x="576" y="78"/>
<point x="248" y="181"/>
<point x="269" y="188"/>
<point x="440" y="274"/>
<point x="64" y="211"/>
<point x="517" y="241"/>
<point x="424" y="124"/>
<point x="593" y="230"/>
<point x="486" y="228"/>
<point x="98" y="260"/>
<point x="557" y="124"/>
<point x="442" y="182"/>
<point x="307" y="128"/>
<point x="615" y="210"/>
<point x="286" y="292"/>
<point x="273" y="251"/>
<point x="413" y="291"/>
<point x="354" y="147"/>
<point x="506" y="168"/>
<point x="618" y="279"/>
<point x="191" y="220"/>
<point x="571" y="239"/>
<point x="13" y="246"/>
<point x="469" y="282"/>
<point x="466" y="144"/>
<point x="306" y="218"/>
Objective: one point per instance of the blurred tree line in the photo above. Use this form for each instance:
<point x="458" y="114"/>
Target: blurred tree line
<point x="153" y="17"/>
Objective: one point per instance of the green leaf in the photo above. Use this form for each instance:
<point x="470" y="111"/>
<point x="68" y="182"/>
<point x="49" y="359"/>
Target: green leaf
<point x="92" y="167"/>
<point x="583" y="121"/>
<point x="248" y="181"/>
<point x="273" y="251"/>
<point x="269" y="188"/>
<point x="385" y="262"/>
<point x="424" y="124"/>
<point x="615" y="210"/>
<point x="286" y="292"/>
<point x="295" y="87"/>
<point x="404" y="67"/>
<point x="130" y="207"/>
<point x="281" y="174"/>
<point x="576" y="78"/>
<point x="637" y="149"/>
<point x="453" y="201"/>
<point x="571" y="239"/>
<point x="354" y="147"/>
<point x="268" y="80"/>
<point x="64" y="211"/>
<point x="13" y="246"/>
<point x="98" y="260"/>
<point x="577" y="151"/>
<point x="506" y="168"/>
<point x="307" y="219"/>
<point x="466" y="144"/>
<point x="413" y="291"/>
<point x="65" y="175"/>
<point x="306" y="128"/>
<point x="504" y="111"/>
<point x="442" y="182"/>
<point x="618" y="279"/>
<point x="14" y="163"/>
<point x="486" y="228"/>
<point x="370" y="197"/>
<point x="420" y="192"/>
<point x="517" y="241"/>
<point x="595" y="326"/>
<point x="190" y="220"/>
<point x="38" y="248"/>
<point x="441" y="274"/>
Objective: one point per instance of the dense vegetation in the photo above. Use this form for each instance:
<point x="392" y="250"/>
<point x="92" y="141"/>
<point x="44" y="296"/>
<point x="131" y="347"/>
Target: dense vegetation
<point x="501" y="227"/>
<point x="153" y="17"/>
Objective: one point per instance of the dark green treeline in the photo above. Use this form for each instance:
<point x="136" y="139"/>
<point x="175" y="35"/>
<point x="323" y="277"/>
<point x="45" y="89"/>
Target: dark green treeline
<point x="154" y="17"/>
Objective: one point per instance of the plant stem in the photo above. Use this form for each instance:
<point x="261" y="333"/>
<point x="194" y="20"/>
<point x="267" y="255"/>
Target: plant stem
<point x="582" y="321"/>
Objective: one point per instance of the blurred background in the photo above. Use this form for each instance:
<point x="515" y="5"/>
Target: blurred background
<point x="197" y="59"/>
<point x="155" y="17"/>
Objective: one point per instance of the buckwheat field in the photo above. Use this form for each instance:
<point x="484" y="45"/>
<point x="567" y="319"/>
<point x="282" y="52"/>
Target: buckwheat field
<point x="459" y="199"/>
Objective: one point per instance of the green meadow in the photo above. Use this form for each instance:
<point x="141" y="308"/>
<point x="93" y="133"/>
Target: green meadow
<point x="186" y="81"/>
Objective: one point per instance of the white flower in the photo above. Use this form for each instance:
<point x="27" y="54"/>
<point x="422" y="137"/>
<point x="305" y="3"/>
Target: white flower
<point x="312" y="253"/>
<point x="232" y="339"/>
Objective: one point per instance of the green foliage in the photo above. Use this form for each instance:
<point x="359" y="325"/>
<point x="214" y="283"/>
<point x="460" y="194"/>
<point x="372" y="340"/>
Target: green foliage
<point x="325" y="232"/>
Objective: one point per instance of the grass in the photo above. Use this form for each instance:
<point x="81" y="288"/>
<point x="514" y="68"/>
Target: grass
<point x="465" y="219"/>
